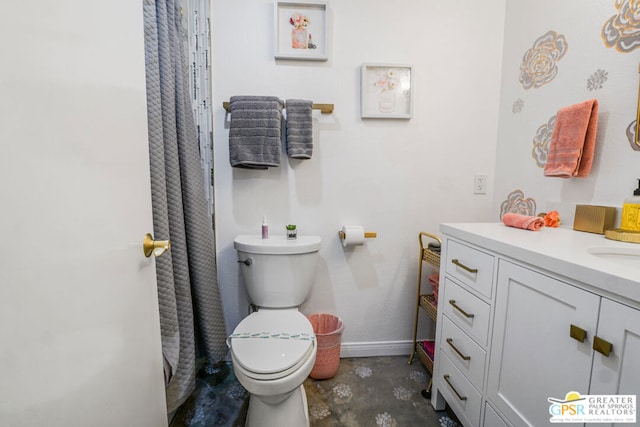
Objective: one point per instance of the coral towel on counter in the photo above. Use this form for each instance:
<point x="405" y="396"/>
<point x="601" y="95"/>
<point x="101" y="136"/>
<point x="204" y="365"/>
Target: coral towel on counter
<point x="526" y="222"/>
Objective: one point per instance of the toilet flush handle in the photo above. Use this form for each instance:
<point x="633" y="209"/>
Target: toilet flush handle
<point x="247" y="261"/>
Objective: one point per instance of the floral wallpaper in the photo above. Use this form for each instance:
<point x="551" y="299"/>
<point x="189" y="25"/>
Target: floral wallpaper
<point x="540" y="63"/>
<point x="516" y="203"/>
<point x="517" y="106"/>
<point x="597" y="80"/>
<point x="549" y="76"/>
<point x="622" y="30"/>
<point x="631" y="136"/>
<point x="541" y="142"/>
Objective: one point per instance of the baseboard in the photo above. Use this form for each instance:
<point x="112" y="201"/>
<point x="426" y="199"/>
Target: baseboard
<point x="377" y="348"/>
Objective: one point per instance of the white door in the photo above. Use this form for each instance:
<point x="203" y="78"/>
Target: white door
<point x="79" y="327"/>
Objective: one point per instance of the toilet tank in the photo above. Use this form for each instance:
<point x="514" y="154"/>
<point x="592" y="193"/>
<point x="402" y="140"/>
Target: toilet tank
<point x="277" y="272"/>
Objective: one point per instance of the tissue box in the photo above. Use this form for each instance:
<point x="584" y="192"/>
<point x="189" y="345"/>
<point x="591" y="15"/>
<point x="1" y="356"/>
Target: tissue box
<point x="594" y="219"/>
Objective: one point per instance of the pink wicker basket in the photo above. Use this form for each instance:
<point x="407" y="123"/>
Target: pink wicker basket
<point x="328" y="330"/>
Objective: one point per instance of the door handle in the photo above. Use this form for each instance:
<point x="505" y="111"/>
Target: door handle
<point x="155" y="247"/>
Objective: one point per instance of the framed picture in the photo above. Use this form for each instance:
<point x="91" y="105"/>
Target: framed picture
<point x="301" y="30"/>
<point x="387" y="91"/>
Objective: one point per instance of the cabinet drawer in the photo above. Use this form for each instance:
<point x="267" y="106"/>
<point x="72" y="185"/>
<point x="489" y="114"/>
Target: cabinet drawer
<point x="459" y="393"/>
<point x="468" y="356"/>
<point x="470" y="266"/>
<point x="467" y="311"/>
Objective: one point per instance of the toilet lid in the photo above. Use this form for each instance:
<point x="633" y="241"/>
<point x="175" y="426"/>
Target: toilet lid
<point x="272" y="342"/>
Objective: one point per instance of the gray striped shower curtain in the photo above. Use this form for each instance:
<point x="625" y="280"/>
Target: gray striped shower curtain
<point x="191" y="313"/>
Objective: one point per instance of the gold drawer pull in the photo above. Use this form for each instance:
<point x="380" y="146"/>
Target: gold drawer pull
<point x="577" y="333"/>
<point x="450" y="342"/>
<point x="446" y="378"/>
<point x="464" y="313"/>
<point x="602" y="346"/>
<point x="464" y="267"/>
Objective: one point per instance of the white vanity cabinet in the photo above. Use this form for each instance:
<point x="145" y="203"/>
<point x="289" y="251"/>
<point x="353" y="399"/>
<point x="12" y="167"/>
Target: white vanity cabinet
<point x="543" y="304"/>
<point x="533" y="356"/>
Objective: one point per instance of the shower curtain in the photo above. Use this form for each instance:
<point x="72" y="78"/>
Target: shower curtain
<point x="191" y="314"/>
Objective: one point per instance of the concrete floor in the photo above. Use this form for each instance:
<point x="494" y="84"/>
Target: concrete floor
<point x="372" y="391"/>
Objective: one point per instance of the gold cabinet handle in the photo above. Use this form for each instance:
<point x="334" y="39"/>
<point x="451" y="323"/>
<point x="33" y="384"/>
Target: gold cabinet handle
<point x="450" y="342"/>
<point x="464" y="267"/>
<point x="601" y="346"/>
<point x="155" y="247"/>
<point x="577" y="333"/>
<point x="446" y="378"/>
<point x="464" y="313"/>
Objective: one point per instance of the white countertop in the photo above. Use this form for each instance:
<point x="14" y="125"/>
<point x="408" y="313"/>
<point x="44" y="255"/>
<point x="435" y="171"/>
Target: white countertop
<point x="562" y="251"/>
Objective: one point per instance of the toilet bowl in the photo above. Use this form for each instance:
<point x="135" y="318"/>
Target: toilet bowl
<point x="273" y="352"/>
<point x="274" y="349"/>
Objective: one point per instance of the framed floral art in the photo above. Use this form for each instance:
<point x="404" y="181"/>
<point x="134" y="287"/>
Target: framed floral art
<point x="301" y="30"/>
<point x="387" y="91"/>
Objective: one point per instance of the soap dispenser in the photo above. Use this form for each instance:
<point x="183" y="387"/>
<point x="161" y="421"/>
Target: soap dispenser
<point x="631" y="211"/>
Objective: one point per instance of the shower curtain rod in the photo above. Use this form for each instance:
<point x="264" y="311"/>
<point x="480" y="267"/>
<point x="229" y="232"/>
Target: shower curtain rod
<point x="324" y="108"/>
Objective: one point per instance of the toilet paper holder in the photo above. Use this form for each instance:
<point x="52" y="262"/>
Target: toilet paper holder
<point x="367" y="234"/>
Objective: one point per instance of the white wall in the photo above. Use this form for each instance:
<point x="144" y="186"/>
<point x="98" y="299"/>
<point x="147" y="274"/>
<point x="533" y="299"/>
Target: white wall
<point x="395" y="177"/>
<point x="615" y="169"/>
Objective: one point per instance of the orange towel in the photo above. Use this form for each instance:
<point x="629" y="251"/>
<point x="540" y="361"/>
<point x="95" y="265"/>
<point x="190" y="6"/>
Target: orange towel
<point x="573" y="141"/>
<point x="526" y="222"/>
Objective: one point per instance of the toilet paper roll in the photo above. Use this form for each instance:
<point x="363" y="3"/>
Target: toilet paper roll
<point x="353" y="235"/>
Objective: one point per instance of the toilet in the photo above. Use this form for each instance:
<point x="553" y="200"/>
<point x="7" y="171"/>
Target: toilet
<point x="274" y="348"/>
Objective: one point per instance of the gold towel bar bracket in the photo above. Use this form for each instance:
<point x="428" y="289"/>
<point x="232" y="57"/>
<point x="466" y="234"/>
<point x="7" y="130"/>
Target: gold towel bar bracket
<point x="324" y="108"/>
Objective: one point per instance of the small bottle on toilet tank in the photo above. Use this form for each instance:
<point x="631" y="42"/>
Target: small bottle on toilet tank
<point x="265" y="228"/>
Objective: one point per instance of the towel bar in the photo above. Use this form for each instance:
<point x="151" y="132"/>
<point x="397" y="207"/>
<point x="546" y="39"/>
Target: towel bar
<point x="324" y="108"/>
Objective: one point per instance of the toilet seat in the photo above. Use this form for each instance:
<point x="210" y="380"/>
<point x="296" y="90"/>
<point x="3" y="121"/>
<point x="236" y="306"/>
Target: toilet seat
<point x="271" y="344"/>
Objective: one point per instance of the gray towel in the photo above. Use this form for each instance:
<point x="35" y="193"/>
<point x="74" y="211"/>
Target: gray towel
<point x="299" y="129"/>
<point x="255" y="131"/>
